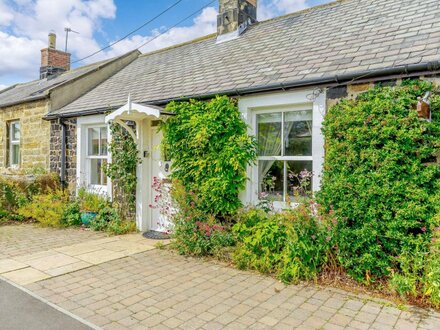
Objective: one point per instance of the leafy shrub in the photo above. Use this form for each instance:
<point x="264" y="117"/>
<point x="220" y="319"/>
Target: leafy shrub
<point x="261" y="245"/>
<point x="47" y="209"/>
<point x="43" y="184"/>
<point x="15" y="192"/>
<point x="294" y="244"/>
<point x="210" y="150"/>
<point x="194" y="232"/>
<point x="108" y="219"/>
<point x="89" y="202"/>
<point x="12" y="195"/>
<point x="72" y="215"/>
<point x="120" y="227"/>
<point x="431" y="276"/>
<point x="411" y="266"/>
<point x="376" y="180"/>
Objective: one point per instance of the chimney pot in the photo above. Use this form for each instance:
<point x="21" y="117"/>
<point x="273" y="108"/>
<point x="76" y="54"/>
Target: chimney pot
<point x="52" y="40"/>
<point x="53" y="61"/>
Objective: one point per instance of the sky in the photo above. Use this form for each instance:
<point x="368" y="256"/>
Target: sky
<point x="25" y="24"/>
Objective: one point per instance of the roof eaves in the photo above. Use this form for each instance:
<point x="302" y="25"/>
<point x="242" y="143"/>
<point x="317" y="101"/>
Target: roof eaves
<point x="30" y="99"/>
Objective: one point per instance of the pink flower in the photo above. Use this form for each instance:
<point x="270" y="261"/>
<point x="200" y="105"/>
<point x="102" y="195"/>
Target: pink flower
<point x="423" y="229"/>
<point x="328" y="238"/>
<point x="304" y="174"/>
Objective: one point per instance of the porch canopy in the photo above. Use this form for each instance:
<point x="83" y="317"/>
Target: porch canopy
<point x="140" y="114"/>
<point x="135" y="112"/>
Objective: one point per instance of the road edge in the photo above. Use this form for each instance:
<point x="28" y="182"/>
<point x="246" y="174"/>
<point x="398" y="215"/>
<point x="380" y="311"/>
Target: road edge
<point x="47" y="302"/>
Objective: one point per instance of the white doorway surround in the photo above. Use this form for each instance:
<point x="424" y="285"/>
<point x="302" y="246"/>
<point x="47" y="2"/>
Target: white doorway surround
<point x="147" y="138"/>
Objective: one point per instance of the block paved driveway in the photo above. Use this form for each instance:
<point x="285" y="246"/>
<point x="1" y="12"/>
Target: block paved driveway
<point x="157" y="289"/>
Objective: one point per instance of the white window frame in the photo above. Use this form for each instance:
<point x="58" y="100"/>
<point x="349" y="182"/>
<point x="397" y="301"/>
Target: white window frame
<point x="282" y="110"/>
<point x="89" y="157"/>
<point x="13" y="142"/>
<point x="83" y="167"/>
<point x="249" y="106"/>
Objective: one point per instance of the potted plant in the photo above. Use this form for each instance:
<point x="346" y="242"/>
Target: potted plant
<point x="89" y="204"/>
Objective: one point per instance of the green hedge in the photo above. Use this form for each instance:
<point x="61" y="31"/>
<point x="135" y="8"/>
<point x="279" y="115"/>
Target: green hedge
<point x="375" y="178"/>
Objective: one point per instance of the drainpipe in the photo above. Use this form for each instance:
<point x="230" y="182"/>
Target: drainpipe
<point x="63" y="154"/>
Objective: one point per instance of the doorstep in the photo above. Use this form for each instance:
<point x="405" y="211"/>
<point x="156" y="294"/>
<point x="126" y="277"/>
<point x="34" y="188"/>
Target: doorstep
<point x="39" y="266"/>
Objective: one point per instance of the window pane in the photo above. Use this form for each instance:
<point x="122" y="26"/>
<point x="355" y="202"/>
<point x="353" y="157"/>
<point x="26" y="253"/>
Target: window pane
<point x="15" y="154"/>
<point x="15" y="131"/>
<point x="299" y="180"/>
<point x="97" y="175"/>
<point x="270" y="177"/>
<point x="298" y="133"/>
<point x="103" y="141"/>
<point x="269" y="134"/>
<point x="93" y="137"/>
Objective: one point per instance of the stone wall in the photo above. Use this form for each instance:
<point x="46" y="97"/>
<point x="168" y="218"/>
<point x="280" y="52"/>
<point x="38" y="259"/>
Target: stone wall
<point x="351" y="91"/>
<point x="55" y="149"/>
<point x="34" y="141"/>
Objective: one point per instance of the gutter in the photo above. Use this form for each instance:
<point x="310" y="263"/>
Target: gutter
<point x="337" y="80"/>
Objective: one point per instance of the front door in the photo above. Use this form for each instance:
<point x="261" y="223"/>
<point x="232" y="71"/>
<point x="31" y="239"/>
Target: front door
<point x="159" y="196"/>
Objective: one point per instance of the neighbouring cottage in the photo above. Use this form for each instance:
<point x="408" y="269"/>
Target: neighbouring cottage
<point x="26" y="144"/>
<point x="285" y="73"/>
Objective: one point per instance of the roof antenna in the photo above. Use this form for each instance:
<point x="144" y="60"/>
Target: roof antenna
<point x="67" y="29"/>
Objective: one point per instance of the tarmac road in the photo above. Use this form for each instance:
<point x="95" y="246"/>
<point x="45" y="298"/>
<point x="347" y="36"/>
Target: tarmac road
<point x="20" y="310"/>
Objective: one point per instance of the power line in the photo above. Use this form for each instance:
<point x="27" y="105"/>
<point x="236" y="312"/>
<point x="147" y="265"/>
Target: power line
<point x="130" y="33"/>
<point x="183" y="20"/>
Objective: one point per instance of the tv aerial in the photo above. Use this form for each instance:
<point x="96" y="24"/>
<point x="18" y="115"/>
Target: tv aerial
<point x="68" y="30"/>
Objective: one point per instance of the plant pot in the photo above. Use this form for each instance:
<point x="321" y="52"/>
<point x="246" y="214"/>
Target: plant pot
<point x="86" y="217"/>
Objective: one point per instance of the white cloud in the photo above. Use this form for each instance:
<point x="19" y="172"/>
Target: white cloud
<point x="24" y="25"/>
<point x="203" y="24"/>
<point x="6" y="15"/>
<point x="3" y="86"/>
<point x="289" y="6"/>
<point x="272" y="8"/>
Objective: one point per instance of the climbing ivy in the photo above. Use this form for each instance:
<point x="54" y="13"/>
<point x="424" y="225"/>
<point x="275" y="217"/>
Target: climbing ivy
<point x="210" y="148"/>
<point x="122" y="169"/>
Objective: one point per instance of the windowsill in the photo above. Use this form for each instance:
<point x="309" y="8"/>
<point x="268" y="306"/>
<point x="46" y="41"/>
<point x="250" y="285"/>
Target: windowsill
<point x="280" y="206"/>
<point x="97" y="189"/>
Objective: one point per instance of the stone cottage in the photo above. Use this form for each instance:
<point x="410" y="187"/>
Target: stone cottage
<point x="24" y="135"/>
<point x="285" y="73"/>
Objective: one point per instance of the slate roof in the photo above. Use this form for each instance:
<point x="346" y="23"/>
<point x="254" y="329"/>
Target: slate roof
<point x="342" y="37"/>
<point x="39" y="89"/>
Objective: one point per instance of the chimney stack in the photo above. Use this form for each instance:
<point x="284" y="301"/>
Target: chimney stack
<point x="234" y="17"/>
<point x="53" y="61"/>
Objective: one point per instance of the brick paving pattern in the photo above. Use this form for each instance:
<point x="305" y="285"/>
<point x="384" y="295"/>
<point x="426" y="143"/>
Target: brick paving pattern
<point x="37" y="266"/>
<point x="160" y="290"/>
<point x="25" y="239"/>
